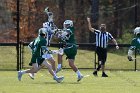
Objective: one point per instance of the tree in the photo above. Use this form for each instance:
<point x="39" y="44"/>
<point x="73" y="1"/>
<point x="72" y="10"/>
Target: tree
<point x="95" y="17"/>
<point x="61" y="14"/>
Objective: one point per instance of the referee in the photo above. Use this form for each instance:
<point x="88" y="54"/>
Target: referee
<point x="102" y="38"/>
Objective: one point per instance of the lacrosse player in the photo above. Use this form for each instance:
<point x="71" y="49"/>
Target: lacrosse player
<point x="70" y="47"/>
<point x="48" y="55"/>
<point x="38" y="49"/>
<point x="50" y="32"/>
<point x="135" y="44"/>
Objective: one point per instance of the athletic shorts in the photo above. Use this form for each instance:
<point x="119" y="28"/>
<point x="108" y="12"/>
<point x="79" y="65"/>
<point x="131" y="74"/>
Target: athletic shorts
<point x="70" y="51"/>
<point x="102" y="54"/>
<point x="47" y="56"/>
<point x="35" y="59"/>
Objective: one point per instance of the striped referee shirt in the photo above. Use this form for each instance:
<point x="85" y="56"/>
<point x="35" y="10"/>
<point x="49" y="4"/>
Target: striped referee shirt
<point x="102" y="38"/>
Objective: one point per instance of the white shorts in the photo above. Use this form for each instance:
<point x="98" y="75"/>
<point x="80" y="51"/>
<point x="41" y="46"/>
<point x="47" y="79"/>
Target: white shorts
<point x="47" y="56"/>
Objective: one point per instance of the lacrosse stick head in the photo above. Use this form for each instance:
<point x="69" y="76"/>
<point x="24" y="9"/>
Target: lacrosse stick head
<point x="46" y="10"/>
<point x="49" y="14"/>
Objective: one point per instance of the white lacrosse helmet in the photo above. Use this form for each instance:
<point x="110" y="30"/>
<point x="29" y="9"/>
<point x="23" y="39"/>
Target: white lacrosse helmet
<point x="137" y="30"/>
<point x="68" y="23"/>
<point x="46" y="24"/>
<point x="42" y="31"/>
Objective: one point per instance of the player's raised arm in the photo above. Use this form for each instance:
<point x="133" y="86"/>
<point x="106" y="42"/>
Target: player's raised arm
<point x="89" y="25"/>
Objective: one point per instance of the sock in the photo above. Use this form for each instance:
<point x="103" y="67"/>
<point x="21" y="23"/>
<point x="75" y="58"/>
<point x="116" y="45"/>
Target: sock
<point x="98" y="67"/>
<point x="103" y="72"/>
<point x="78" y="73"/>
<point x="23" y="72"/>
<point x="33" y="74"/>
<point x="55" y="76"/>
<point x="95" y="71"/>
<point x="54" y="72"/>
<point x="59" y="66"/>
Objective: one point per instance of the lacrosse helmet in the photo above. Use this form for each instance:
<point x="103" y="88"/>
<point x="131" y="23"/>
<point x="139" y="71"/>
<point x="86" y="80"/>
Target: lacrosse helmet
<point x="42" y="31"/>
<point x="46" y="25"/>
<point x="68" y="23"/>
<point x="137" y="30"/>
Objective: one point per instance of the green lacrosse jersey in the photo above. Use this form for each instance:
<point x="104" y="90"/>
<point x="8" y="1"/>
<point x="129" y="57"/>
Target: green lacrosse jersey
<point x="72" y="37"/>
<point x="38" y="42"/>
<point x="136" y="42"/>
<point x="70" y="48"/>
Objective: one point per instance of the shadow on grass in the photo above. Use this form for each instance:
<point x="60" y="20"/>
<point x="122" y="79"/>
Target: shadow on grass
<point x="59" y="83"/>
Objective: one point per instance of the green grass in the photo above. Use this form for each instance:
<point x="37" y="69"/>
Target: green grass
<point x="8" y="57"/>
<point x="117" y="59"/>
<point x="117" y="82"/>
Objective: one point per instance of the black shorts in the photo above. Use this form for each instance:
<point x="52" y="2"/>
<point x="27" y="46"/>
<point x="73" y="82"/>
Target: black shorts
<point x="102" y="54"/>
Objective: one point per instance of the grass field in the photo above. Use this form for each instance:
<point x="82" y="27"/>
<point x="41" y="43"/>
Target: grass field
<point x="117" y="82"/>
<point x="117" y="59"/>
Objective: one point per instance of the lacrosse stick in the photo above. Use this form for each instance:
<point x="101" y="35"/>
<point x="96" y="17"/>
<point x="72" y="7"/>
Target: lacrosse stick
<point x="60" y="51"/>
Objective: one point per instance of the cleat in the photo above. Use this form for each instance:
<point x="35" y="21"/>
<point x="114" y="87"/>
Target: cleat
<point x="19" y="75"/>
<point x="95" y="73"/>
<point x="59" y="79"/>
<point x="31" y="75"/>
<point x="58" y="70"/>
<point x="80" y="78"/>
<point x="104" y="75"/>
